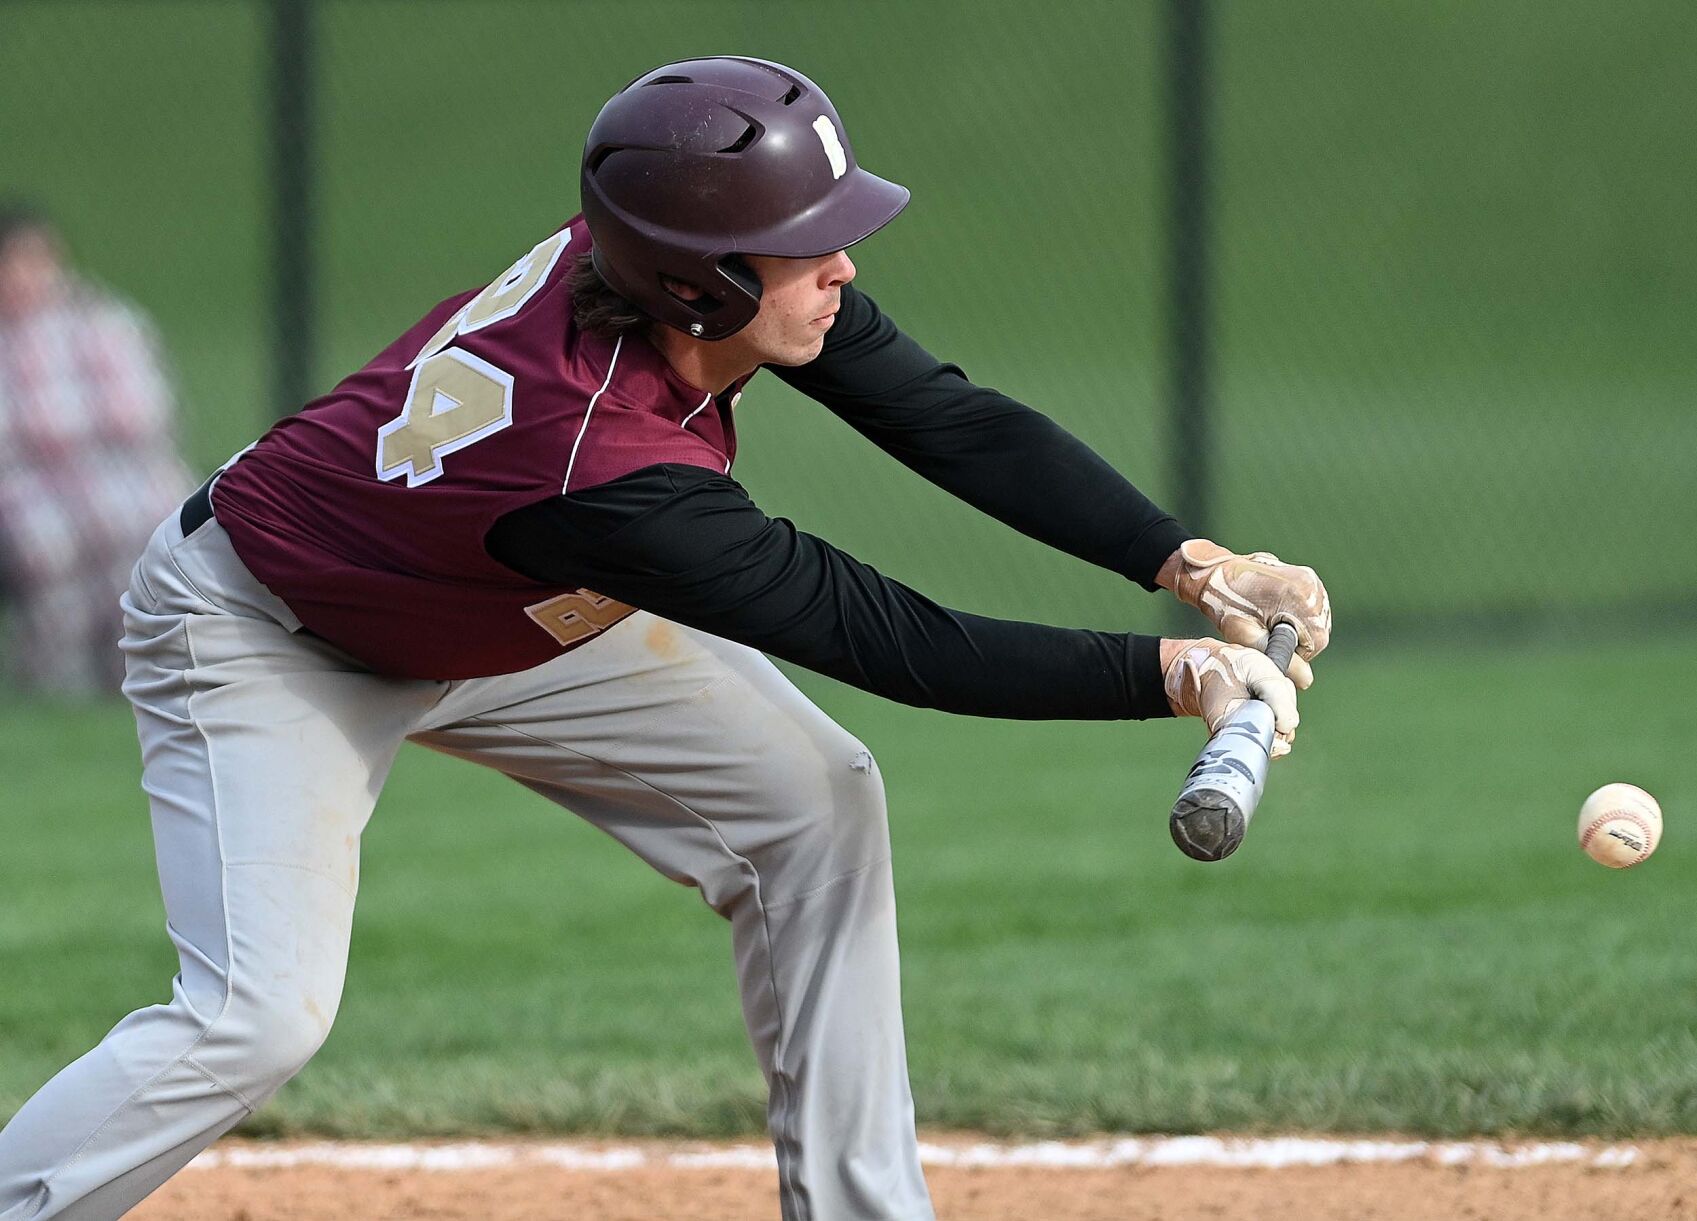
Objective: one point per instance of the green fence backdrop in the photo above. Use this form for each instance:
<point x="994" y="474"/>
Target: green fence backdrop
<point x="1453" y="248"/>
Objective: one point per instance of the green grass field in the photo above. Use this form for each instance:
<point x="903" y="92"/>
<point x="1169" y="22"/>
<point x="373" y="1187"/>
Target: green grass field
<point x="1410" y="939"/>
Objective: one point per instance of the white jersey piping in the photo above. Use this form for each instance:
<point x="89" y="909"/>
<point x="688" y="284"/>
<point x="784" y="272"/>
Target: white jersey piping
<point x="696" y="412"/>
<point x="588" y="411"/>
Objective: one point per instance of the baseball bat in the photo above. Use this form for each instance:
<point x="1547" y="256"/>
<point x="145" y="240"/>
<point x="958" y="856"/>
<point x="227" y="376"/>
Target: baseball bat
<point x="1225" y="784"/>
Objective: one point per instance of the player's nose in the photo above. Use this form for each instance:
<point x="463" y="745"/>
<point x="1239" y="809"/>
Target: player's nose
<point x="837" y="271"/>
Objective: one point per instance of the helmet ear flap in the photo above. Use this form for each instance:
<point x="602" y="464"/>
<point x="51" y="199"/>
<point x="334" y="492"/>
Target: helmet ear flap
<point x="739" y="294"/>
<point x="738" y="271"/>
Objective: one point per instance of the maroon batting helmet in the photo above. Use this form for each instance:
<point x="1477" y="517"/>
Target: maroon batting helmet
<point x="699" y="161"/>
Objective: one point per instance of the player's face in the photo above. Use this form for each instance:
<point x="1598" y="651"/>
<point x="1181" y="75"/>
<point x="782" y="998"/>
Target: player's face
<point x="798" y="304"/>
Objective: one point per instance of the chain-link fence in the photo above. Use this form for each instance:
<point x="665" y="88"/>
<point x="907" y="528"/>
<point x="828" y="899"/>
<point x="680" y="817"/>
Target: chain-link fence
<point x="1447" y="281"/>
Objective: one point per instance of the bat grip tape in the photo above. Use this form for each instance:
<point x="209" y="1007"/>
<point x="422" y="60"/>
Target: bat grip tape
<point x="1281" y="645"/>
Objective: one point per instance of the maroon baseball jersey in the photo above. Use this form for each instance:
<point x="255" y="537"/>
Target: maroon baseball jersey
<point x="366" y="512"/>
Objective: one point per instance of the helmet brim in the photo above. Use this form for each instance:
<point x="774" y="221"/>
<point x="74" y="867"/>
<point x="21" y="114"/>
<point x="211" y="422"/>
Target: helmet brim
<point x="861" y="204"/>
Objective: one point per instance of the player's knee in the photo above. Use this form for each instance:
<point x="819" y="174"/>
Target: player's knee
<point x="860" y="798"/>
<point x="263" y="1042"/>
<point x="839" y="802"/>
<point x="814" y="813"/>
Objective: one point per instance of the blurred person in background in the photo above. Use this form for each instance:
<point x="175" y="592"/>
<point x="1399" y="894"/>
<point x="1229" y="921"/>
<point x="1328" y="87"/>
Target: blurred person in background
<point x="87" y="460"/>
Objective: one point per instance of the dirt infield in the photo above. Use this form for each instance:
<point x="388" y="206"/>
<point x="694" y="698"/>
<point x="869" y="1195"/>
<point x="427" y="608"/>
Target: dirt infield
<point x="653" y="1182"/>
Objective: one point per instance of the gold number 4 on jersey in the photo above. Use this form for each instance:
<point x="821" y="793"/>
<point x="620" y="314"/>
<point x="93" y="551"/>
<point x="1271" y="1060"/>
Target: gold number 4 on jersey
<point x="457" y="398"/>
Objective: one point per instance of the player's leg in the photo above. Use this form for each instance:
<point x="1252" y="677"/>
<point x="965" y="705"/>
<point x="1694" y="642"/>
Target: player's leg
<point x="706" y="761"/>
<point x="262" y="756"/>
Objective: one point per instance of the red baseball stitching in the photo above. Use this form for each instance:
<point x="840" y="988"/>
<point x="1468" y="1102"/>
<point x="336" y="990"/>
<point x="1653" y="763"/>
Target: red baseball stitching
<point x="1629" y="816"/>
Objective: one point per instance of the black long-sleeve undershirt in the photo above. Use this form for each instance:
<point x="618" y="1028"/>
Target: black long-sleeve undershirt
<point x="993" y="452"/>
<point x="689" y="544"/>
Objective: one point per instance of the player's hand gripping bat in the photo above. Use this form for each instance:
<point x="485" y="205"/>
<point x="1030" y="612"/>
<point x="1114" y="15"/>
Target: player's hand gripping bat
<point x="1224" y="786"/>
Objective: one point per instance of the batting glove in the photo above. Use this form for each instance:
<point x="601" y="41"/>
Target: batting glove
<point x="1210" y="679"/>
<point x="1245" y="595"/>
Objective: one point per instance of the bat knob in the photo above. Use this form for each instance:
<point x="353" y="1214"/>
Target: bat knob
<point x="1207" y="826"/>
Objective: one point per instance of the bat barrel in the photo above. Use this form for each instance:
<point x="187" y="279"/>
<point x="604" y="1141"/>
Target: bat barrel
<point x="1224" y="786"/>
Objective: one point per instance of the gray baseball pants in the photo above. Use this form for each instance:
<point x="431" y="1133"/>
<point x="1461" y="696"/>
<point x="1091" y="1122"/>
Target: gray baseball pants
<point x="263" y="752"/>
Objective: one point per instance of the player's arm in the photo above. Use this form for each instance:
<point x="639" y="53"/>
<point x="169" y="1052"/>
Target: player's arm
<point x="688" y="544"/>
<point x="995" y="453"/>
<point x="1022" y="468"/>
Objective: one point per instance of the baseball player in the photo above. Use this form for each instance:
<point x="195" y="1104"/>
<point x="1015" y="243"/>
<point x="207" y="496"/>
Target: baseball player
<point x="513" y="537"/>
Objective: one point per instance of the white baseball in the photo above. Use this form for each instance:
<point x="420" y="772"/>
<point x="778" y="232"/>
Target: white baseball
<point x="1619" y="825"/>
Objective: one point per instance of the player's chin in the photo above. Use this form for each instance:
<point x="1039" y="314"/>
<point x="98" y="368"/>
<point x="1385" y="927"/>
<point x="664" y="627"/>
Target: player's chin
<point x="801" y="352"/>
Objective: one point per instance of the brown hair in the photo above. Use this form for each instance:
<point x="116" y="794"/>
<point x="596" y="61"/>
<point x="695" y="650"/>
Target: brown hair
<point x="597" y="308"/>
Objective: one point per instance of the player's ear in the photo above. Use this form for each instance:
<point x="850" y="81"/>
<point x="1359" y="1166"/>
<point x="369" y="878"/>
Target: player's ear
<point x="735" y="268"/>
<point x="680" y="289"/>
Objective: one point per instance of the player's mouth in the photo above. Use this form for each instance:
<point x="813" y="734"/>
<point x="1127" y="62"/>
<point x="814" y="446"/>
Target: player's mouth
<point x="825" y="320"/>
